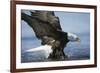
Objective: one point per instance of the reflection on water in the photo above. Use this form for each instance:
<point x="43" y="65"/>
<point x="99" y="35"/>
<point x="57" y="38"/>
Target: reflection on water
<point x="74" y="50"/>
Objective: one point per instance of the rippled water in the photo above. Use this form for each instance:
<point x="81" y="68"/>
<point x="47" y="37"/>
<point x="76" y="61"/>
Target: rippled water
<point x="74" y="50"/>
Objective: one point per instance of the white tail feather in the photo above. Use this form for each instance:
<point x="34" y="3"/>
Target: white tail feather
<point x="46" y="50"/>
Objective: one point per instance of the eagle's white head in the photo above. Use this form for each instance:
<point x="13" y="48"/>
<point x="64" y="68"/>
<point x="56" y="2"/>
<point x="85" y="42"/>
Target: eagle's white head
<point x="73" y="38"/>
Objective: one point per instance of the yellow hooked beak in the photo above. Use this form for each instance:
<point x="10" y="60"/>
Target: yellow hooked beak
<point x="78" y="40"/>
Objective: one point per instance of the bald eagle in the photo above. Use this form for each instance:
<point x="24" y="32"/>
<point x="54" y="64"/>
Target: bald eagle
<point x="47" y="28"/>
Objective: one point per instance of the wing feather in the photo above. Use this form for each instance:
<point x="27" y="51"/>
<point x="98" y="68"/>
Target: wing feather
<point x="40" y="26"/>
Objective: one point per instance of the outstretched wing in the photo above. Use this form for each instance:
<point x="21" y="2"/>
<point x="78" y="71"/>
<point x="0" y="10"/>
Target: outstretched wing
<point x="47" y="16"/>
<point x="41" y="24"/>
